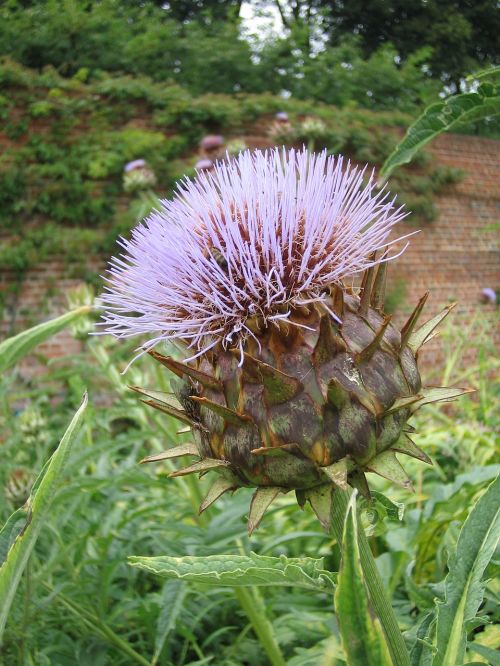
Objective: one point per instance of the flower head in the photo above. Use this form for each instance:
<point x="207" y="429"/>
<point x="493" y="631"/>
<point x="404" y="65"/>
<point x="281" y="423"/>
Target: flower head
<point x="251" y="241"/>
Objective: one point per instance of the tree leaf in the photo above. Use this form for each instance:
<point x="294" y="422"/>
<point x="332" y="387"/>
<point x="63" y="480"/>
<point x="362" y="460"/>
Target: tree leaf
<point x="39" y="505"/>
<point x="241" y="570"/>
<point x="362" y="636"/>
<point x="12" y="349"/>
<point x="463" y="586"/>
<point x="441" y="117"/>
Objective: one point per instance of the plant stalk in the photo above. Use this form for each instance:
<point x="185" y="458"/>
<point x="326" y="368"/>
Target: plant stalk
<point x="256" y="613"/>
<point x="378" y="596"/>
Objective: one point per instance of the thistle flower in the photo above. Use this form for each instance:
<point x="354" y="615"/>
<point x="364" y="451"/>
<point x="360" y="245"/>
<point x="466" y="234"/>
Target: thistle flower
<point x="291" y="378"/>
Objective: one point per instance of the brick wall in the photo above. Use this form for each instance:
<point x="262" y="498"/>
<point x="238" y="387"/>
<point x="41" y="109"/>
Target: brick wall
<point x="454" y="257"/>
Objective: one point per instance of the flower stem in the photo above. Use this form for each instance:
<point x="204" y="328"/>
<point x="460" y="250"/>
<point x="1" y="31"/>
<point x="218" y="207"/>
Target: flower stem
<point x="255" y="610"/>
<point x="378" y="596"/>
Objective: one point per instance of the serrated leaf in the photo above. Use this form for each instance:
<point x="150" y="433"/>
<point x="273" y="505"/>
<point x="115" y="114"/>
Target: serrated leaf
<point x="241" y="570"/>
<point x="362" y="636"/>
<point x="441" y="117"/>
<point x="463" y="585"/>
<point x="14" y="348"/>
<point x="40" y="503"/>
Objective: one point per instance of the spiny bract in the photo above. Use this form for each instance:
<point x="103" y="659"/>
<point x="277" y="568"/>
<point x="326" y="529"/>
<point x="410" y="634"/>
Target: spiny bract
<point x="292" y="380"/>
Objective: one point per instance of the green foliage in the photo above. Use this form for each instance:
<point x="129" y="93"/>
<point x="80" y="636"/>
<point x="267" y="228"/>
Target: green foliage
<point x="463" y="587"/>
<point x="95" y="604"/>
<point x="12" y="349"/>
<point x="240" y="570"/>
<point x="442" y="117"/>
<point x="62" y="193"/>
<point x="363" y="639"/>
<point x="19" y="535"/>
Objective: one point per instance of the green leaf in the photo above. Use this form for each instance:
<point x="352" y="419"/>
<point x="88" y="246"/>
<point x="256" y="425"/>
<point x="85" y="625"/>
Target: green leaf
<point x="463" y="586"/>
<point x="421" y="652"/>
<point x="174" y="592"/>
<point x="39" y="506"/>
<point x="493" y="656"/>
<point x="362" y="636"/>
<point x="12" y="349"/>
<point x="241" y="570"/>
<point x="441" y="117"/>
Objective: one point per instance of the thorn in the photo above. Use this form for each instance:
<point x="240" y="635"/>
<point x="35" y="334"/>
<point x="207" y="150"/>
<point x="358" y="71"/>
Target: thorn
<point x="218" y="488"/>
<point x="300" y="495"/>
<point x="386" y="464"/>
<point x="320" y="499"/>
<point x="277" y="451"/>
<point x="329" y="344"/>
<point x="366" y="287"/>
<point x="407" y="329"/>
<point x="409" y="428"/>
<point x="402" y="403"/>
<point x="439" y="394"/>
<point x="408" y="447"/>
<point x="338" y="301"/>
<point x="337" y="473"/>
<point x="358" y="481"/>
<point x="336" y="394"/>
<point x="365" y="354"/>
<point x="278" y="387"/>
<point x="261" y="500"/>
<point x="378" y="291"/>
<point x="181" y="369"/>
<point x="171" y="411"/>
<point x="187" y="449"/>
<point x="161" y="397"/>
<point x="201" y="466"/>
<point x="227" y="414"/>
<point x="421" y="335"/>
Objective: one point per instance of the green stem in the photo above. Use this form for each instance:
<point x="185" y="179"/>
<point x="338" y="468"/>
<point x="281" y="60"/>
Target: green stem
<point x="256" y="613"/>
<point x="380" y="601"/>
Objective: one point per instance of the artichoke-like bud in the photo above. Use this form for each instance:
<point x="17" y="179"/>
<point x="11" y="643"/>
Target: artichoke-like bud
<point x="138" y="175"/>
<point x="291" y="379"/>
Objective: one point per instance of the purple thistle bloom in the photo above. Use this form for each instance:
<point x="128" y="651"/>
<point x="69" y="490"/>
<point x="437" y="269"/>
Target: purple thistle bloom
<point x="135" y="164"/>
<point x="256" y="237"/>
<point x="282" y="116"/>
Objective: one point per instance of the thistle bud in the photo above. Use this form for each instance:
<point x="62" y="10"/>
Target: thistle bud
<point x="291" y="379"/>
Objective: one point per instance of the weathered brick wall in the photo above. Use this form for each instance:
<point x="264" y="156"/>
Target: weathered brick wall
<point x="454" y="257"/>
<point x="457" y="255"/>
